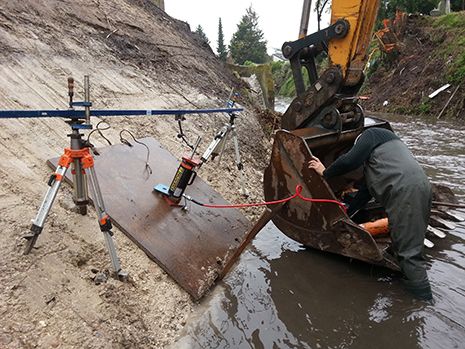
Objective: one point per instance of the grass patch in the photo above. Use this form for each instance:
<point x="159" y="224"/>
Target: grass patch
<point x="401" y="110"/>
<point x="453" y="20"/>
<point x="461" y="41"/>
<point x="423" y="108"/>
<point x="288" y="88"/>
<point x="453" y="47"/>
<point x="456" y="73"/>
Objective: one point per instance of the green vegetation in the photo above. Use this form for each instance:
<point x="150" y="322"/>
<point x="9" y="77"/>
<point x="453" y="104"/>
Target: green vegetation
<point x="457" y="5"/>
<point x="401" y="110"/>
<point x="221" y="49"/>
<point x="281" y="71"/>
<point x="202" y="34"/>
<point x="282" y="75"/>
<point x="288" y="87"/>
<point x="320" y="6"/>
<point x="284" y="79"/>
<point x="453" y="20"/>
<point x="456" y="73"/>
<point x="375" y="59"/>
<point x="446" y="34"/>
<point x="264" y="75"/>
<point x="452" y="44"/>
<point x="423" y="108"/>
<point x="388" y="7"/>
<point x="248" y="43"/>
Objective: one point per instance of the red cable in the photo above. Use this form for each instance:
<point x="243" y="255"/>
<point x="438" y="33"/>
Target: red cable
<point x="298" y="193"/>
<point x="251" y="204"/>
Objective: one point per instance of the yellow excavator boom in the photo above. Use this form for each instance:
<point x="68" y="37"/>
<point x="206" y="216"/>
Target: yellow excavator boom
<point x="351" y="52"/>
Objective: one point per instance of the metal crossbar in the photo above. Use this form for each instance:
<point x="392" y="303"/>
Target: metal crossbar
<point x="79" y="114"/>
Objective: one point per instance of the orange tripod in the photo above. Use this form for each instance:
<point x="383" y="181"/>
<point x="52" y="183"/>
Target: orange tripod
<point x="78" y="156"/>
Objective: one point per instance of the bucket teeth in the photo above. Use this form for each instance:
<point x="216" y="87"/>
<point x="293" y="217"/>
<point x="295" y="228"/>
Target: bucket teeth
<point x="428" y="243"/>
<point x="436" y="232"/>
<point x="459" y="216"/>
<point x="441" y="223"/>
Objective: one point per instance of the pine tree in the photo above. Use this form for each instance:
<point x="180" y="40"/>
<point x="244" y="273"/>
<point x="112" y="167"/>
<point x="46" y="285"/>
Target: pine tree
<point x="222" y="53"/>
<point x="202" y="34"/>
<point x="248" y="43"/>
<point x="388" y="8"/>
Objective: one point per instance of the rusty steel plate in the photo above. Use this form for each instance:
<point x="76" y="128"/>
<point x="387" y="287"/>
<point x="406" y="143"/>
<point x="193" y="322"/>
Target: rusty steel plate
<point x="192" y="247"/>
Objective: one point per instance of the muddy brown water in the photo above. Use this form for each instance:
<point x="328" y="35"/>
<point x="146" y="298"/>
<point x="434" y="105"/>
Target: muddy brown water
<point x="282" y="295"/>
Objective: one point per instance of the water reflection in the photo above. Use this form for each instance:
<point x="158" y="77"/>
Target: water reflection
<point x="284" y="296"/>
<point x="241" y="312"/>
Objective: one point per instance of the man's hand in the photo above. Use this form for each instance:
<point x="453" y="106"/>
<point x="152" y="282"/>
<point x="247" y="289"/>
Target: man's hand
<point x="316" y="164"/>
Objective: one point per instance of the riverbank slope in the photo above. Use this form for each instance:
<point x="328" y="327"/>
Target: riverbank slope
<point x="431" y="55"/>
<point x="138" y="57"/>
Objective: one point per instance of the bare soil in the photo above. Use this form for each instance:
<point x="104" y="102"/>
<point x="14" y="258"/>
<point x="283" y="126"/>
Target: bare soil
<point x="138" y="57"/>
<point x="427" y="56"/>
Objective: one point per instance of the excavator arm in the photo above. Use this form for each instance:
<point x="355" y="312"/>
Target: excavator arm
<point x="330" y="101"/>
<point x="351" y="52"/>
<point x="324" y="121"/>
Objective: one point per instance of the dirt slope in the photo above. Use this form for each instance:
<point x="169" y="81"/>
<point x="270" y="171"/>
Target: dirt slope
<point x="137" y="57"/>
<point x="432" y="54"/>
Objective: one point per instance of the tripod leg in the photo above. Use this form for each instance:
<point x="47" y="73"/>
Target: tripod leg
<point x="240" y="166"/>
<point x="214" y="149"/>
<point x="38" y="223"/>
<point x="222" y="145"/>
<point x="80" y="196"/>
<point x="104" y="221"/>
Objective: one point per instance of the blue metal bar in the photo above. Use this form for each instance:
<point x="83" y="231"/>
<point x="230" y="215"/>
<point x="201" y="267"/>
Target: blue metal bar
<point x="79" y="114"/>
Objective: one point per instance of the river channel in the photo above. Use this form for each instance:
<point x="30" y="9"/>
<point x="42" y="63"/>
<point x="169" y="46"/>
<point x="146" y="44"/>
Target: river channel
<point x="282" y="295"/>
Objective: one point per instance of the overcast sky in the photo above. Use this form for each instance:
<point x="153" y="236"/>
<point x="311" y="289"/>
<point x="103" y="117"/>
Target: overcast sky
<point x="279" y="20"/>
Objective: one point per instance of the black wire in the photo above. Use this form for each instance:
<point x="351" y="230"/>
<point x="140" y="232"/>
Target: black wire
<point x="191" y="199"/>
<point x="99" y="130"/>
<point x="183" y="136"/>
<point x="125" y="141"/>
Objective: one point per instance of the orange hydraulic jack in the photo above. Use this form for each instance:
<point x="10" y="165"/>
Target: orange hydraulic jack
<point x="78" y="155"/>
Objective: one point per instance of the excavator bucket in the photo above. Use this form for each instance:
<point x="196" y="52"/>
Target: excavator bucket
<point x="321" y="225"/>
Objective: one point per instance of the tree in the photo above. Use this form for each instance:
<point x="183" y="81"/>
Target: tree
<point x="319" y="9"/>
<point x="222" y="52"/>
<point x="248" y="43"/>
<point x="457" y="5"/>
<point x="202" y="34"/>
<point x="389" y="7"/>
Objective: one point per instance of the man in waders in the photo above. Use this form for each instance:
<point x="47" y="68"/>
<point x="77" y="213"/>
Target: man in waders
<point x="396" y="180"/>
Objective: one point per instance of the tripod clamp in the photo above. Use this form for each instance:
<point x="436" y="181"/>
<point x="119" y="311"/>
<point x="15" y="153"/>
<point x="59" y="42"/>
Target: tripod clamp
<point x="80" y="124"/>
